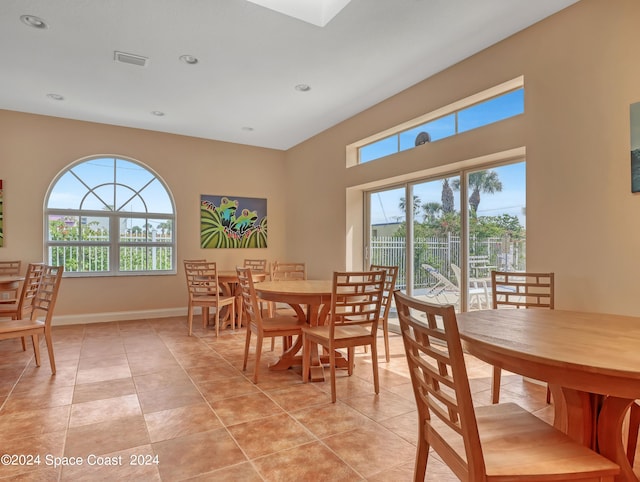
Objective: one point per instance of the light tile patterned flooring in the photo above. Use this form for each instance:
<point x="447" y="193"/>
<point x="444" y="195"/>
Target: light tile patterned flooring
<point x="127" y="392"/>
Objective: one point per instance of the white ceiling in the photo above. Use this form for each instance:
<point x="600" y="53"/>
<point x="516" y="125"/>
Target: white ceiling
<point x="250" y="60"/>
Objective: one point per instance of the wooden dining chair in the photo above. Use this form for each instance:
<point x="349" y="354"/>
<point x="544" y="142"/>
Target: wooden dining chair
<point x="387" y="300"/>
<point x="489" y="443"/>
<point x="21" y="309"/>
<point x="256" y="265"/>
<point x="259" y="324"/>
<point x="9" y="268"/>
<point x="204" y="291"/>
<point x="41" y="314"/>
<point x="520" y="290"/>
<point x="287" y="271"/>
<point x="356" y="300"/>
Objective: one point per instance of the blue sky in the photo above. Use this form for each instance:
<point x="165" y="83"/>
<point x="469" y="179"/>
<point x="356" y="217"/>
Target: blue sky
<point x="511" y="200"/>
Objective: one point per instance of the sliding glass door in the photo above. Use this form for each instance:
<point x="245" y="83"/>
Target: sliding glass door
<point x="446" y="249"/>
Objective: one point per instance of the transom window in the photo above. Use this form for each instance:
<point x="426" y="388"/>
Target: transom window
<point x="492" y="105"/>
<point x="110" y="216"/>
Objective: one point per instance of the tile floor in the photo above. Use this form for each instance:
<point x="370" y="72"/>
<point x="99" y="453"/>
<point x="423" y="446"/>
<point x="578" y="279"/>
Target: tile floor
<point x="140" y="400"/>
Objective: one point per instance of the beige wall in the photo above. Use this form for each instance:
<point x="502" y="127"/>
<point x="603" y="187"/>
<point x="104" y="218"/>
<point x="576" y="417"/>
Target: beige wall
<point x="581" y="73"/>
<point x="34" y="149"/>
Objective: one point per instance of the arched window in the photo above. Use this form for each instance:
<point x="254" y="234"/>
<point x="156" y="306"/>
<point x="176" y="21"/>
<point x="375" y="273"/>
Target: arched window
<point x="110" y="216"/>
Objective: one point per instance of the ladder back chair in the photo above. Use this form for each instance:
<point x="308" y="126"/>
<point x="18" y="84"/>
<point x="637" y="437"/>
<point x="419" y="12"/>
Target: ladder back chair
<point x="260" y="325"/>
<point x="257" y="265"/>
<point x="41" y="314"/>
<point x="491" y="443"/>
<point x="356" y="300"/>
<point x="9" y="268"/>
<point x="285" y="271"/>
<point x="204" y="291"/>
<point x="511" y="289"/>
<point x="387" y="300"/>
<point x="21" y="309"/>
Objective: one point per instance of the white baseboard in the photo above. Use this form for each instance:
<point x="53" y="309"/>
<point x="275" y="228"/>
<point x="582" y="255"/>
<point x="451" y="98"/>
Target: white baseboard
<point x="117" y="316"/>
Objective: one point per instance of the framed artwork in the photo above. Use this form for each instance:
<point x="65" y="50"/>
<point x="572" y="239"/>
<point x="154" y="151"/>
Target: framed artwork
<point x="635" y="147"/>
<point x="1" y="217"/>
<point x="233" y="222"/>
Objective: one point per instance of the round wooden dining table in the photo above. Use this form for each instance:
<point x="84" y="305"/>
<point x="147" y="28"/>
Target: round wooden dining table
<point x="315" y="295"/>
<point x="9" y="283"/>
<point x="590" y="360"/>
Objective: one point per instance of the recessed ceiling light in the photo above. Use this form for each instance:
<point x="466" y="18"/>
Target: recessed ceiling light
<point x="248" y="129"/>
<point x="189" y="59"/>
<point x="157" y="113"/>
<point x="302" y="88"/>
<point x="55" y="96"/>
<point x="33" y="21"/>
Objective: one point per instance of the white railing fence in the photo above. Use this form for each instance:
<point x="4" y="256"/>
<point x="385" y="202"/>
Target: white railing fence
<point x="501" y="253"/>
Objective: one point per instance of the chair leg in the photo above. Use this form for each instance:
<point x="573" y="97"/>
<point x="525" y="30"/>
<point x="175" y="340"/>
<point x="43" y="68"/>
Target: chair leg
<point x="233" y="316"/>
<point x="385" y="332"/>
<point x="36" y="348"/>
<point x="217" y="321"/>
<point x="374" y="363"/>
<point x="332" y="363"/>
<point x="351" y="359"/>
<point x="422" y="455"/>
<point x="306" y="358"/>
<point x="190" y="317"/>
<point x="258" y="356"/>
<point x="495" y="386"/>
<point x="52" y="360"/>
<point x="205" y="316"/>
<point x="634" y="425"/>
<point x="246" y="348"/>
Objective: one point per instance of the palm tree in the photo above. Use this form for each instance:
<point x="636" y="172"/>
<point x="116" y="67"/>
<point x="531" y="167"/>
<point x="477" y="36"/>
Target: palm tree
<point x="447" y="197"/>
<point x="416" y="204"/>
<point x="486" y="181"/>
<point x="431" y="210"/>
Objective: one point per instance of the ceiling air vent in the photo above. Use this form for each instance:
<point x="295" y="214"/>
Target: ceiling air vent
<point x="133" y="59"/>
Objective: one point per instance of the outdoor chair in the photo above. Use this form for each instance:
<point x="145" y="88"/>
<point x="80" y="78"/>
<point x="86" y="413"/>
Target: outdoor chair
<point x="519" y="290"/>
<point x="444" y="290"/>
<point x="478" y="290"/>
<point x="354" y="313"/>
<point x="490" y="443"/>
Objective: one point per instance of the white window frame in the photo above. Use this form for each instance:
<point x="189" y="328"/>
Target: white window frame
<point x="114" y="218"/>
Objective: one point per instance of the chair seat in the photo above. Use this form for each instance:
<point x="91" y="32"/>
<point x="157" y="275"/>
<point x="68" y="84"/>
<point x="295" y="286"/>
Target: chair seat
<point x="213" y="300"/>
<point x="11" y="326"/>
<point x="281" y="324"/>
<point x="534" y="448"/>
<point x="341" y="332"/>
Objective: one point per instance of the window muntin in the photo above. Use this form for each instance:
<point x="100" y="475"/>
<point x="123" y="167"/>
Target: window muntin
<point x="449" y="122"/>
<point x="110" y="216"/>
